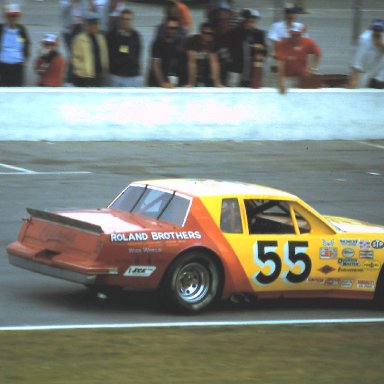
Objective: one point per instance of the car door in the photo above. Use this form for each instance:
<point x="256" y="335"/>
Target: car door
<point x="280" y="248"/>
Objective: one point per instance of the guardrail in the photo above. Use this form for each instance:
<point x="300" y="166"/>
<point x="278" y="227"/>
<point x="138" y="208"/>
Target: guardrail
<point x="74" y="114"/>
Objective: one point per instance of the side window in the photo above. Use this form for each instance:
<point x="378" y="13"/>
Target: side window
<point x="304" y="226"/>
<point x="230" y="219"/>
<point x="268" y="217"/>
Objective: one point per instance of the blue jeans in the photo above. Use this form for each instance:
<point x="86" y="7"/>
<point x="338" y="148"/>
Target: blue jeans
<point x="122" y="81"/>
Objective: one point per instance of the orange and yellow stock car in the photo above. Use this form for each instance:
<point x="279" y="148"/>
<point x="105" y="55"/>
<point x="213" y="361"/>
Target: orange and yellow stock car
<point x="201" y="240"/>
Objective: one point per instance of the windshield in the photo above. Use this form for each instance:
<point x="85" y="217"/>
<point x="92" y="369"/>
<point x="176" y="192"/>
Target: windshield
<point x="155" y="203"/>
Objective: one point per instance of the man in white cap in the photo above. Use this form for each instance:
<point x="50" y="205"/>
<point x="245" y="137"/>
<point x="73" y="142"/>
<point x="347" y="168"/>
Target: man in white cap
<point x="14" y="48"/>
<point x="50" y="64"/>
<point x="297" y="57"/>
<point x="280" y="29"/>
<point x="369" y="56"/>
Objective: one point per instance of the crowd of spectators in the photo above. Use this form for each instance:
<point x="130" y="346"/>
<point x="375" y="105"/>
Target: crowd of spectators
<point x="104" y="49"/>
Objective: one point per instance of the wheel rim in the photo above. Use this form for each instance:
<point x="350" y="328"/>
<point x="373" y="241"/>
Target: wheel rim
<point x="193" y="282"/>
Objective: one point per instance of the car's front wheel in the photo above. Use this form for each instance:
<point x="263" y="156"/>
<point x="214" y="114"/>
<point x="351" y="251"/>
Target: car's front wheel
<point x="192" y="283"/>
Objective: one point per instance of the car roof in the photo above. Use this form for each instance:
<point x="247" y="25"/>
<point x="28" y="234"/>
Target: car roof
<point x="205" y="187"/>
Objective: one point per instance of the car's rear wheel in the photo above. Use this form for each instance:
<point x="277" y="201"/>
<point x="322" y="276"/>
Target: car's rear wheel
<point x="192" y="283"/>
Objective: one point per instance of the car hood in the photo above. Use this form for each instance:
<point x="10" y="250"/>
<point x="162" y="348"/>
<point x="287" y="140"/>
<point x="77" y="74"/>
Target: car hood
<point x="344" y="224"/>
<point x="115" y="221"/>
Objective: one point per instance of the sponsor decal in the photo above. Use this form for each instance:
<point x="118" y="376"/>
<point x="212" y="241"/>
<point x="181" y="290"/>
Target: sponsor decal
<point x="154" y="236"/>
<point x="365" y="284"/>
<point x="50" y="234"/>
<point x="366" y="254"/>
<point x="372" y="265"/>
<point x="348" y="262"/>
<point x="328" y="243"/>
<point x="176" y="235"/>
<point x="377" y="244"/>
<point x="326" y="269"/>
<point x="140" y="270"/>
<point x="328" y="253"/>
<point x="346" y="283"/>
<point x="135" y="250"/>
<point x="144" y="250"/>
<point x="348" y="242"/>
<point x="332" y="282"/>
<point x="365" y="245"/>
<point x="350" y="269"/>
<point x="315" y="280"/>
<point x="127" y="237"/>
<point x="348" y="252"/>
<point x="152" y="250"/>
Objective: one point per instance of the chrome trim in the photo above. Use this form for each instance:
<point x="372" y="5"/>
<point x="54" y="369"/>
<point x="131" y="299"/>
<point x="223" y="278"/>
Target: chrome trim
<point x="48" y="270"/>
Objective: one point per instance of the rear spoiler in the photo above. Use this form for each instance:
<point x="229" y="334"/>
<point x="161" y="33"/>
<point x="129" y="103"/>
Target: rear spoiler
<point x="67" y="221"/>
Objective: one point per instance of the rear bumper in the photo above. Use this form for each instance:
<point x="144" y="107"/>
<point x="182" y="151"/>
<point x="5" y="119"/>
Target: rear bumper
<point x="76" y="277"/>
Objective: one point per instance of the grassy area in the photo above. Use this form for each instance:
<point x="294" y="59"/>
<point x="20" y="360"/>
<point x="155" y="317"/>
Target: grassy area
<point x="255" y="354"/>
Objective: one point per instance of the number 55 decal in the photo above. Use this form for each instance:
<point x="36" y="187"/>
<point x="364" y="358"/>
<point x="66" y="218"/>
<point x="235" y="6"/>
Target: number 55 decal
<point x="264" y="255"/>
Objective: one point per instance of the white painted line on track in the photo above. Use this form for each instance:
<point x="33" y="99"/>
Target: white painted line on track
<point x="372" y="144"/>
<point x="24" y="171"/>
<point x="191" y="324"/>
<point x="46" y="173"/>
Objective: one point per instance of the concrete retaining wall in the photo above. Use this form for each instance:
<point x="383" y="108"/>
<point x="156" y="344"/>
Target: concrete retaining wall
<point x="190" y="114"/>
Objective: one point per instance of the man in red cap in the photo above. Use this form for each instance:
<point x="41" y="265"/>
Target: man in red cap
<point x="14" y="48"/>
<point x="298" y="58"/>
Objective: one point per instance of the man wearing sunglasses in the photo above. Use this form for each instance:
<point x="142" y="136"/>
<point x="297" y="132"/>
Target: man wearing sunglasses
<point x="202" y="59"/>
<point x="166" y="57"/>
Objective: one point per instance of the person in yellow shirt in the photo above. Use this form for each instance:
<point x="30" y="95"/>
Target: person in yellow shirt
<point x="90" y="55"/>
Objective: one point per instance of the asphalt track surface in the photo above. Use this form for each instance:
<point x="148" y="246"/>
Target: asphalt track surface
<point x="339" y="177"/>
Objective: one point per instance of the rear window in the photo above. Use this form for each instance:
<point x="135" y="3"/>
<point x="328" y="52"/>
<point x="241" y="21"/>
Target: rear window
<point x="155" y="203"/>
<point x="128" y="198"/>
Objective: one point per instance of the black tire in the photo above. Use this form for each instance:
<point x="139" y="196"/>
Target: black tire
<point x="379" y="291"/>
<point x="192" y="283"/>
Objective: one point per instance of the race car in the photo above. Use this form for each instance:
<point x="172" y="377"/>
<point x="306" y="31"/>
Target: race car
<point x="198" y="241"/>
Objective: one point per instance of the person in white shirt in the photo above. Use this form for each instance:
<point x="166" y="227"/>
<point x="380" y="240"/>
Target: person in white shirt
<point x="14" y="48"/>
<point x="369" y="57"/>
<point x="280" y="29"/>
